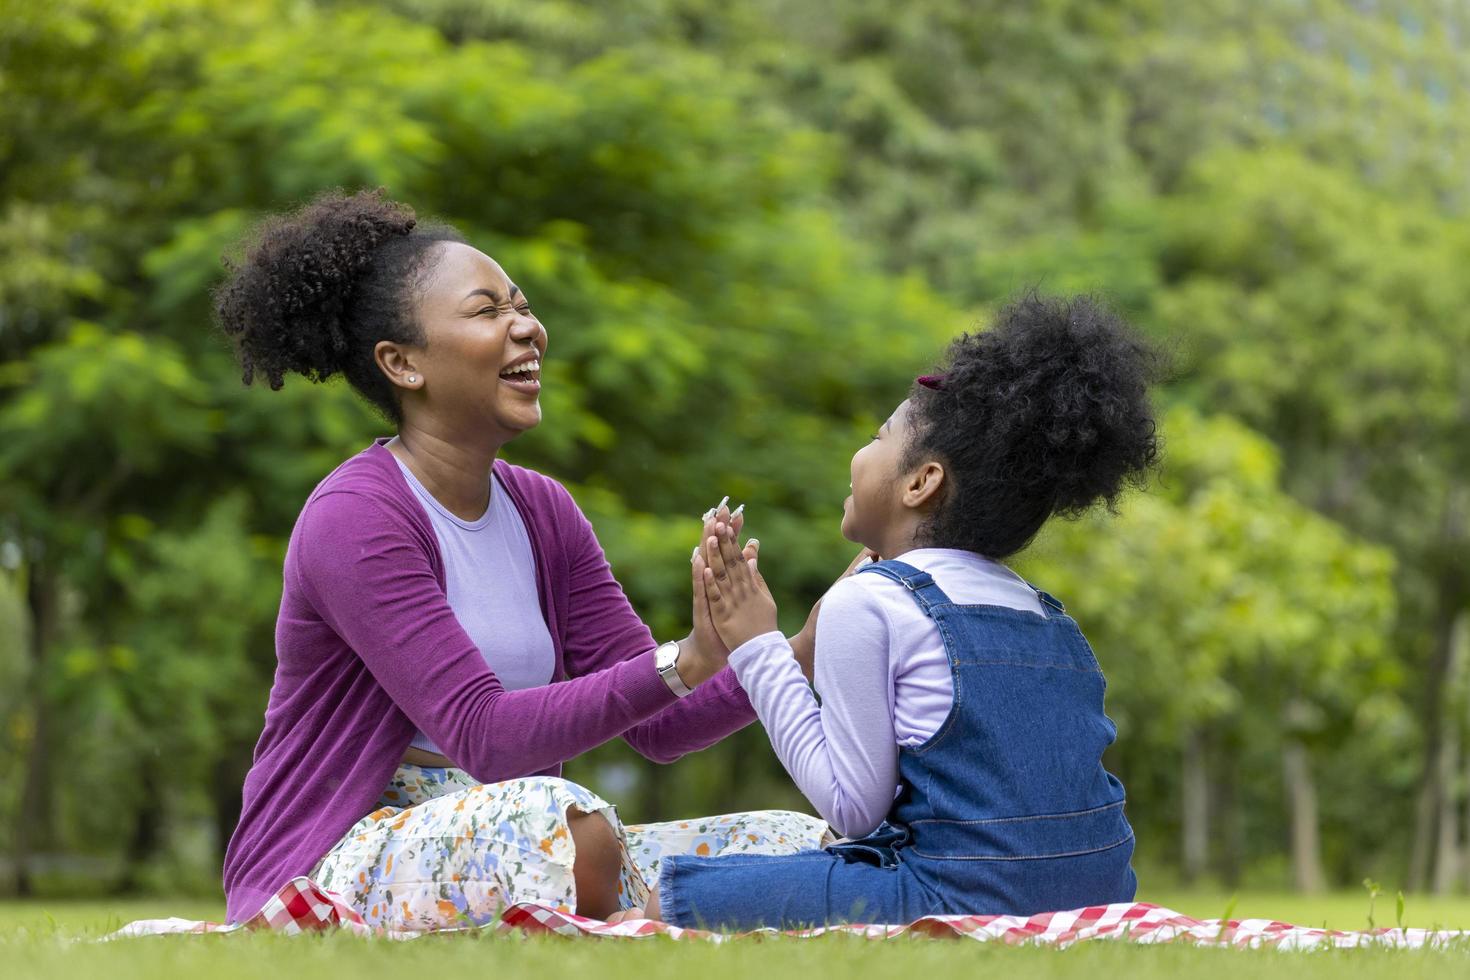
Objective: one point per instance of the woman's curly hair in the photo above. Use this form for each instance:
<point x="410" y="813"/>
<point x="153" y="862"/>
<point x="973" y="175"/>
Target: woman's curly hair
<point x="320" y="286"/>
<point x="1047" y="412"/>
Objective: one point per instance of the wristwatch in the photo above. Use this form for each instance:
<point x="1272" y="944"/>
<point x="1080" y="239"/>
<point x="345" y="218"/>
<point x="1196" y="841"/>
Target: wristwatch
<point x="666" y="659"/>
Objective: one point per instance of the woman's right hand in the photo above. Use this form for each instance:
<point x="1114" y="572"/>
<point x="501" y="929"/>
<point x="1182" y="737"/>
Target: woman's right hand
<point x="707" y="652"/>
<point x="804" y="644"/>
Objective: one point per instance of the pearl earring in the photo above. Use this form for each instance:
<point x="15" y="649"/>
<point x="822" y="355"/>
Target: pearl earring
<point x="411" y="379"/>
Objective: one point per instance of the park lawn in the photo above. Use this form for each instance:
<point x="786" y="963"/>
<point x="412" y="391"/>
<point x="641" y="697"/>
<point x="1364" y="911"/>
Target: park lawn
<point x="37" y="939"/>
<point x="1336" y="910"/>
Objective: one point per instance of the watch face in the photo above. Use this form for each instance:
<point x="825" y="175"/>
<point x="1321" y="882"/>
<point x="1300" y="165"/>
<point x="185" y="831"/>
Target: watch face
<point x="666" y="655"/>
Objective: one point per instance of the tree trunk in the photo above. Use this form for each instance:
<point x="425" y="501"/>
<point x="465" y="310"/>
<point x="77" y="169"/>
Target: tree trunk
<point x="1447" y="842"/>
<point x="739" y="778"/>
<point x="1195" y="808"/>
<point x="1447" y="858"/>
<point x="147" y="832"/>
<point x="1460" y="653"/>
<point x="653" y="783"/>
<point x="1435" y="788"/>
<point x="1231" y="844"/>
<point x="33" y="818"/>
<point x="1301" y="794"/>
<point x="1426" y="809"/>
<point x="226" y="787"/>
<point x="1452" y="586"/>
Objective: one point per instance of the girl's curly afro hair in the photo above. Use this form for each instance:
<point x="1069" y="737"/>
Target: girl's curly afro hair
<point x="1047" y="412"/>
<point x="319" y="287"/>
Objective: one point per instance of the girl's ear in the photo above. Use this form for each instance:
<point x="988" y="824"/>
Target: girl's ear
<point x="923" y="484"/>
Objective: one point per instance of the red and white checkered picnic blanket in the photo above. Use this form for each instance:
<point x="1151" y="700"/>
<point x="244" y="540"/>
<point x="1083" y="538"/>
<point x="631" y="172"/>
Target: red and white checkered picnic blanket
<point x="304" y="906"/>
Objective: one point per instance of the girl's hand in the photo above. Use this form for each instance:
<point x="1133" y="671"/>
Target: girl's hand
<point x="804" y="644"/>
<point x="740" y="604"/>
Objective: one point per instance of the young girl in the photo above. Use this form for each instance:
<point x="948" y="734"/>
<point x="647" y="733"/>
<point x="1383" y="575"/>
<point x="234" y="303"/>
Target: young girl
<point x="960" y="728"/>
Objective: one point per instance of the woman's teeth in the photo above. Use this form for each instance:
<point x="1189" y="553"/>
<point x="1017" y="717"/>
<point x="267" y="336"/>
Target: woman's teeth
<point x="527" y="371"/>
<point x="526" y="366"/>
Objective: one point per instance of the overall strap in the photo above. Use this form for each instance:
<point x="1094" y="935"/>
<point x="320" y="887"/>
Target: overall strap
<point x="1048" y="599"/>
<point x="927" y="594"/>
<point x="920" y="584"/>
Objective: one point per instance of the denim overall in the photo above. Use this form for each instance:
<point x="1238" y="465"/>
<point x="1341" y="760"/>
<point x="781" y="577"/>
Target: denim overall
<point x="1006" y="809"/>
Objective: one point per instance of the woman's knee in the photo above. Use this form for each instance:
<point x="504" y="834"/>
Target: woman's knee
<point x="598" y="863"/>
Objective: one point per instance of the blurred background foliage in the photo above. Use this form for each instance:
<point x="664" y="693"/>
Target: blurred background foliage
<point x="747" y="224"/>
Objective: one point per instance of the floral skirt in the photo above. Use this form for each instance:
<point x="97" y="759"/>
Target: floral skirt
<point x="443" y="850"/>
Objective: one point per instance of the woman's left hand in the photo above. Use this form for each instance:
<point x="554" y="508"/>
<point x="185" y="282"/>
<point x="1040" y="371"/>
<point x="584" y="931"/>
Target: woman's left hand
<point x="740" y="604"/>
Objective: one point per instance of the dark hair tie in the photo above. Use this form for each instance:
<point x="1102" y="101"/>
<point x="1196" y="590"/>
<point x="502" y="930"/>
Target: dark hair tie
<point x="934" y="382"/>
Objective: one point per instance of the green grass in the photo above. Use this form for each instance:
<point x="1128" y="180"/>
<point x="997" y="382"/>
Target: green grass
<point x="39" y="939"/>
<point x="1337" y="910"/>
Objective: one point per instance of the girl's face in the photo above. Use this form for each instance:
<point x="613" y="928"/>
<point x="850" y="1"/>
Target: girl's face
<point x="875" y="505"/>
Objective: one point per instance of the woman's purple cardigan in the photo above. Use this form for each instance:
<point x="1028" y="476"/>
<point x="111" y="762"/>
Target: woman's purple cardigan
<point x="367" y="649"/>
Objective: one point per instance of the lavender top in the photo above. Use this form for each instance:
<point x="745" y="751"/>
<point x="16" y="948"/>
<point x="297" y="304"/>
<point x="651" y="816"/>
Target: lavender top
<point x="490" y="582"/>
<point x="368" y="650"/>
<point x="883" y="676"/>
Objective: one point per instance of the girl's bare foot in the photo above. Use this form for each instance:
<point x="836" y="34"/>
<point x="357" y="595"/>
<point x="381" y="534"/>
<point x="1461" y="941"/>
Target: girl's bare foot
<point x="649" y="913"/>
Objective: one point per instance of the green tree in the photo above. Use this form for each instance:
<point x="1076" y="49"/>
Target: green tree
<point x="664" y="216"/>
<point x="1327" y="319"/>
<point x="1226" y="615"/>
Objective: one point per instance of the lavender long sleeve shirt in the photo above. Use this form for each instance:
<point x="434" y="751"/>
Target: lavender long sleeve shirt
<point x="884" y="678"/>
<point x="368" y="650"/>
<point x="490" y="581"/>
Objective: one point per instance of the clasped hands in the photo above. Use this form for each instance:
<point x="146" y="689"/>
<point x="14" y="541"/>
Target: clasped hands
<point x="732" y="603"/>
<point x="728" y="578"/>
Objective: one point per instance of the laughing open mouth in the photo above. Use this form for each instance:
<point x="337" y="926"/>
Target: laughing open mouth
<point x="526" y="375"/>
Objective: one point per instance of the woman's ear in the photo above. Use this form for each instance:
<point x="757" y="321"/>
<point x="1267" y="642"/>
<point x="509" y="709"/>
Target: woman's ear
<point x="923" y="484"/>
<point x="398" y="364"/>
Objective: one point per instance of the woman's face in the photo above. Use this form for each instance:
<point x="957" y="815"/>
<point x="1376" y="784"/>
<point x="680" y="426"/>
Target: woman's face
<point x="481" y="364"/>
<point x="874" y="504"/>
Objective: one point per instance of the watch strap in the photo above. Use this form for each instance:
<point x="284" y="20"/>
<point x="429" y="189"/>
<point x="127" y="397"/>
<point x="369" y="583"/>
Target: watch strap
<point x="668" y="669"/>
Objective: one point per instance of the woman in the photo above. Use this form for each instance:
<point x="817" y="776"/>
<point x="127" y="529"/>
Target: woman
<point x="450" y="631"/>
